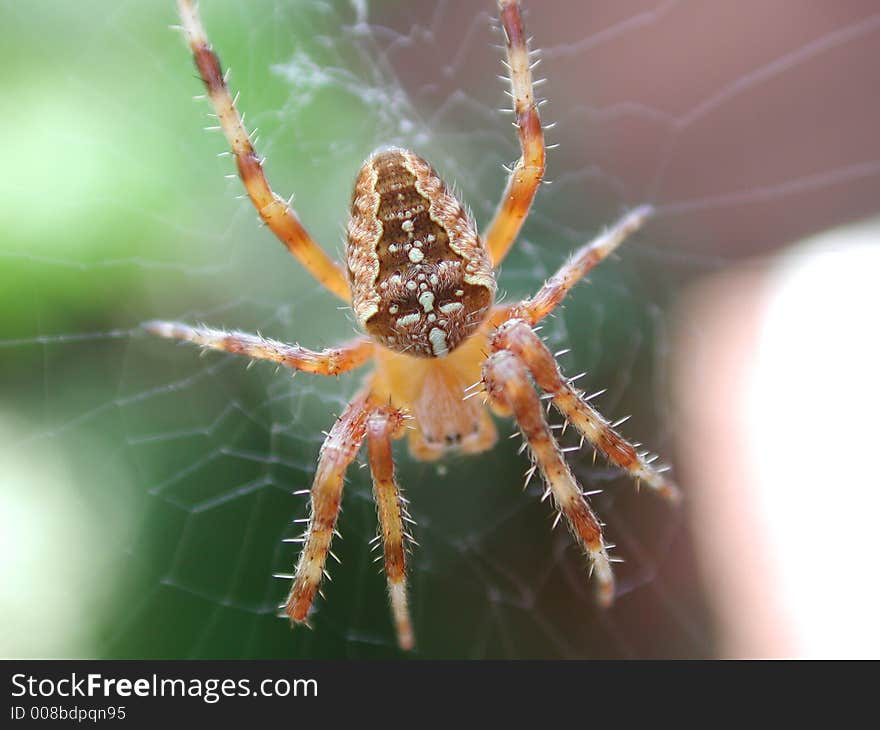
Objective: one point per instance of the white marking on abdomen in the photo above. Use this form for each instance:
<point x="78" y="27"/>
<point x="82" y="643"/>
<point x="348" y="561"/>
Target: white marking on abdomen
<point x="438" y="342"/>
<point x="408" y="320"/>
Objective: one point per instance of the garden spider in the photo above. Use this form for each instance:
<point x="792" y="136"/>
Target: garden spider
<point x="421" y="282"/>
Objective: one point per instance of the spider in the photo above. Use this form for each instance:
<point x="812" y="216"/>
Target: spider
<point x="421" y="282"/>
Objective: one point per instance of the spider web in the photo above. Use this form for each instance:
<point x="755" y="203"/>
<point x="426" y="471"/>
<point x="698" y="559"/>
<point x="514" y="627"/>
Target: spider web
<point x="147" y="490"/>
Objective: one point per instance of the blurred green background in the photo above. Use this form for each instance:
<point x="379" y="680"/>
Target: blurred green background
<point x="145" y="490"/>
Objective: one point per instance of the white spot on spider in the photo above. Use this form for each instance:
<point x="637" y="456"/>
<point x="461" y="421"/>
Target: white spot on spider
<point x="430" y="238"/>
<point x="423" y="286"/>
<point x="407" y="226"/>
<point x="438" y="342"/>
<point x="393" y="309"/>
<point x="451" y="307"/>
<point x="392" y="248"/>
<point x="411" y="285"/>
<point x="426" y="299"/>
<point x="434" y="280"/>
<point x="408" y="320"/>
<point x="416" y="255"/>
<point x="459" y="292"/>
<point x="432" y="317"/>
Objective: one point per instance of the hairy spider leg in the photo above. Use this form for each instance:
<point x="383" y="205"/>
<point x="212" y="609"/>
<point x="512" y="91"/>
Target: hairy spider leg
<point x="526" y="176"/>
<point x="272" y="208"/>
<point x="579" y="264"/>
<point x="337" y="452"/>
<point x="382" y="426"/>
<point x="511" y="393"/>
<point x="517" y="336"/>
<point x="333" y="361"/>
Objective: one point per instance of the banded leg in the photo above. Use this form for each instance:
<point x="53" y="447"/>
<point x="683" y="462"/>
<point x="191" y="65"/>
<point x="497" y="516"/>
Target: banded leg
<point x="333" y="361"/>
<point x="272" y="208"/>
<point x="579" y="265"/>
<point x="382" y="426"/>
<point x="518" y="337"/>
<point x="511" y="393"/>
<point x="337" y="453"/>
<point x="529" y="171"/>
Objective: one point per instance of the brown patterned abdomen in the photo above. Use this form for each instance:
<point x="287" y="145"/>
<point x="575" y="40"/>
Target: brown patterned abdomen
<point x="421" y="280"/>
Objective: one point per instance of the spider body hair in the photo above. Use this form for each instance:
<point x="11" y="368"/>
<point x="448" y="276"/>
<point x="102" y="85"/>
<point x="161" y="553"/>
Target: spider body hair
<point x="421" y="282"/>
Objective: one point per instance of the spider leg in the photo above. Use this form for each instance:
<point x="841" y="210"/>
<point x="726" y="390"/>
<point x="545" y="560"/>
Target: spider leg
<point x="511" y="393"/>
<point x="529" y="171"/>
<point x="579" y="265"/>
<point x="337" y="452"/>
<point x="517" y="336"/>
<point x="333" y="361"/>
<point x="382" y="426"/>
<point x="272" y="208"/>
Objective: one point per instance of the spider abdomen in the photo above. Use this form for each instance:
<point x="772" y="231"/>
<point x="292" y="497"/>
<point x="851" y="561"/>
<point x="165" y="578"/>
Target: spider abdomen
<point x="421" y="279"/>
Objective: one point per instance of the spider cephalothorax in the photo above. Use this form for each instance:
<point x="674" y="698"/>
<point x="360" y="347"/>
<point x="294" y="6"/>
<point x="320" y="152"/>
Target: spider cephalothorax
<point x="421" y="282"/>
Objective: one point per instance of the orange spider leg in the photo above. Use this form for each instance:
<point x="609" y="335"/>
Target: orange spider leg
<point x="273" y="209"/>
<point x="579" y="265"/>
<point x="511" y="393"/>
<point x="337" y="452"/>
<point x="517" y="337"/>
<point x="529" y="171"/>
<point x="382" y="426"/>
<point x="332" y="361"/>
